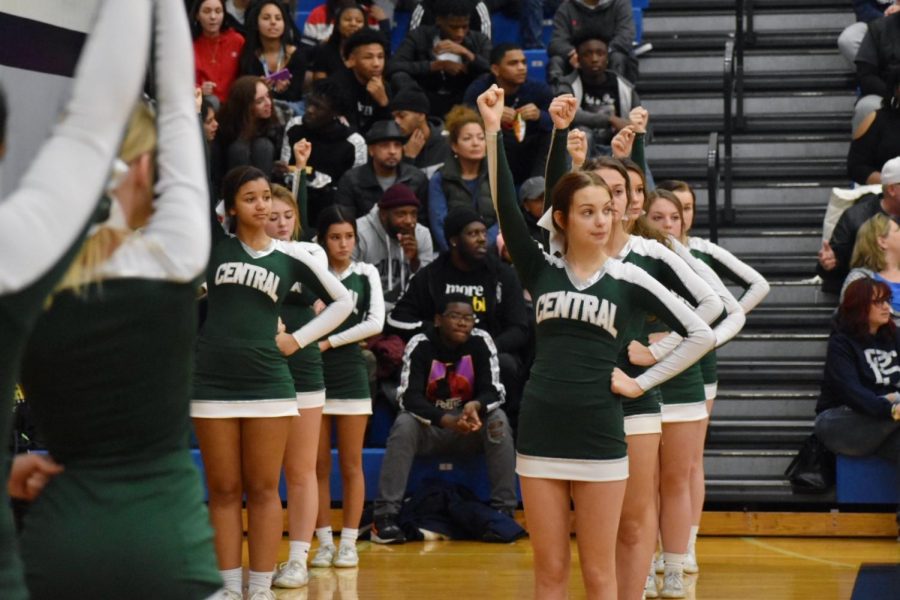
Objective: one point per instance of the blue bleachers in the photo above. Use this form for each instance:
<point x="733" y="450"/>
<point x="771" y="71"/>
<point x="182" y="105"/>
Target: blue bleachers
<point x="867" y="480"/>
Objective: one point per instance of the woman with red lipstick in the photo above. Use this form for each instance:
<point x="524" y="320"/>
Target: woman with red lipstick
<point x="348" y="399"/>
<point x="571" y="443"/>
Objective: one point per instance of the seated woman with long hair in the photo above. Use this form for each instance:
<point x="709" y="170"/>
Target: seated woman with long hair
<point x="859" y="407"/>
<point x="876" y="254"/>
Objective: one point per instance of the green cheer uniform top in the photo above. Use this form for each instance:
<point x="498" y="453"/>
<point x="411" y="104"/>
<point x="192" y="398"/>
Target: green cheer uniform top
<point x="107" y="374"/>
<point x="571" y="424"/>
<point x="44" y="219"/>
<point x="306" y="363"/>
<point x="643" y="414"/>
<point x="728" y="267"/>
<point x="240" y="373"/>
<point x="346" y="380"/>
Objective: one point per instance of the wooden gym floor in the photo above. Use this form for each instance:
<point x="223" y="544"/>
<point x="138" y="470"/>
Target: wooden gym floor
<point x="732" y="568"/>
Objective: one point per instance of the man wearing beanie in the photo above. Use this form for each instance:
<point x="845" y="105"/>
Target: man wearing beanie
<point x="491" y="285"/>
<point x="425" y="147"/>
<point x="834" y="256"/>
<point x="390" y="238"/>
<point x="360" y="188"/>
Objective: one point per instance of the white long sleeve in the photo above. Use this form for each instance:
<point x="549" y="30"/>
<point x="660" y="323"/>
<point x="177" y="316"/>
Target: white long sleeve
<point x="335" y="313"/>
<point x="175" y="243"/>
<point x="374" y="321"/>
<point x="43" y="217"/>
<point x="755" y="285"/>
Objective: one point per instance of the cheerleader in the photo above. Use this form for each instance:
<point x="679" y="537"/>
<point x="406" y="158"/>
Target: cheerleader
<point x="348" y="400"/>
<point x="726" y="266"/>
<point x="571" y="437"/>
<point x="43" y="220"/>
<point x="244" y="398"/>
<point x="684" y="405"/>
<point x="107" y="371"/>
<point x="643" y="420"/>
<point x="285" y="221"/>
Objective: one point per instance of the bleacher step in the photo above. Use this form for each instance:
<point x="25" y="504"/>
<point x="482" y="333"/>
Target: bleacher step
<point x="755" y="146"/>
<point x="742" y="241"/>
<point x="771" y="20"/>
<point x="784" y="402"/>
<point x="751" y="371"/>
<point x="714" y="41"/>
<point x="701" y="62"/>
<point x="735" y="463"/>
<point x="755" y="103"/>
<point x="775" y="346"/>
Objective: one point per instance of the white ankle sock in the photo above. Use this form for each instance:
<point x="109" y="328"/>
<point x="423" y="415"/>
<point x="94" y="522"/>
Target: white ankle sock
<point x="325" y="536"/>
<point x="259" y="582"/>
<point x="233" y="579"/>
<point x="348" y="536"/>
<point x="674" y="562"/>
<point x="693" y="540"/>
<point x="299" y="551"/>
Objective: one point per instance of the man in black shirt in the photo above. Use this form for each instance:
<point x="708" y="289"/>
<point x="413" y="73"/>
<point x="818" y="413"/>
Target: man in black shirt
<point x="335" y="147"/>
<point x="878" y="54"/>
<point x="450" y="392"/>
<point x="425" y="145"/>
<point x="605" y="99"/>
<point x="491" y="286"/>
<point x="365" y="54"/>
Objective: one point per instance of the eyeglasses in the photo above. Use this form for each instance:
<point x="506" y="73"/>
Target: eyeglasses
<point x="459" y="317"/>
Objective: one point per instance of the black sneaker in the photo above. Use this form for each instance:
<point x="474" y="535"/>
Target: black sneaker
<point x="386" y="531"/>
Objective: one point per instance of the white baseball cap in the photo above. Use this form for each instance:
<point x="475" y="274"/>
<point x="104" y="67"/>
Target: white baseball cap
<point x="890" y="172"/>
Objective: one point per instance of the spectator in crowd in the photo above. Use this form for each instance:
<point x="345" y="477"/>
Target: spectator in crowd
<point x="463" y="180"/>
<point x="336" y="147"/>
<point x="877" y="139"/>
<point x="859" y="406"/>
<point x="835" y="254"/>
<point x="613" y="22"/>
<point x="876" y="255"/>
<point x="237" y="11"/>
<point x="878" y="54"/>
<point x="270" y="52"/>
<point x="320" y="24"/>
<point x="425" y="146"/>
<point x="329" y="56"/>
<point x="526" y="122"/>
<point x="365" y="53"/>
<point x="605" y="99"/>
<point x="217" y="48"/>
<point x="360" y="188"/>
<point x="207" y="114"/>
<point x="391" y="238"/>
<point x="450" y="392"/>
<point x="249" y="132"/>
<point x="480" y="19"/>
<point x="489" y="286"/>
<point x="442" y="59"/>
<point x="866" y="12"/>
<point x="531" y="196"/>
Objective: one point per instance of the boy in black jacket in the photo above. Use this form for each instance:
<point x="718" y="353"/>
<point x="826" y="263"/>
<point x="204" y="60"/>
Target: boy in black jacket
<point x="450" y="392"/>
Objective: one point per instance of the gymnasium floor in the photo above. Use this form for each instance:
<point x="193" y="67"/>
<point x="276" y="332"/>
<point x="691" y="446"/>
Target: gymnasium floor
<point x="731" y="568"/>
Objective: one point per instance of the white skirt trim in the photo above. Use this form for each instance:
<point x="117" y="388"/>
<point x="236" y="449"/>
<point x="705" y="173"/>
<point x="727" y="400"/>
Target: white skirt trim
<point x="347" y="407"/>
<point x="711" y="389"/>
<point x="307" y="400"/>
<point x="244" y="409"/>
<point x="643" y="424"/>
<point x="572" y="469"/>
<point x="684" y="413"/>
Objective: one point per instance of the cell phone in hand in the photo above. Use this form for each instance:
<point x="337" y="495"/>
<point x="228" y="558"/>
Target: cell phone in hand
<point x="282" y="75"/>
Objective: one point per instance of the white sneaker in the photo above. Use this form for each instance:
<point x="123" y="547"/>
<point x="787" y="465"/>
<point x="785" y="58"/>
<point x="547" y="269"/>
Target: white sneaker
<point x="291" y="574"/>
<point x="263" y="595"/>
<point x="690" y="562"/>
<point x="346" y="557"/>
<point x="650" y="590"/>
<point x="659" y="565"/>
<point x="324" y="556"/>
<point x="673" y="585"/>
<point x="228" y="595"/>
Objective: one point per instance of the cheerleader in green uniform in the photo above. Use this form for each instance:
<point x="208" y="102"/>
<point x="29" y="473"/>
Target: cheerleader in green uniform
<point x="684" y="406"/>
<point x="643" y="420"/>
<point x="244" y="398"/>
<point x="43" y="220"/>
<point x="348" y="401"/>
<point x="300" y="454"/>
<point x="726" y="266"/>
<point x="107" y="370"/>
<point x="571" y="442"/>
